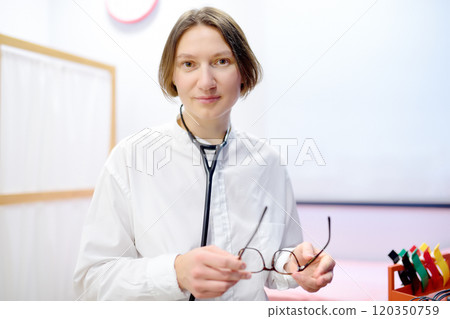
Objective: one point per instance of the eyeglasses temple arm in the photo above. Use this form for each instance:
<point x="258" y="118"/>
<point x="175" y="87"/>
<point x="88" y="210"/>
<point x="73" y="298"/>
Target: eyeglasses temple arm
<point x="301" y="268"/>
<point x="257" y="227"/>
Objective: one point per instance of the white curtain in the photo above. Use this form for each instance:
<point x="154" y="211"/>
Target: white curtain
<point x="39" y="245"/>
<point x="55" y="120"/>
<point x="54" y="123"/>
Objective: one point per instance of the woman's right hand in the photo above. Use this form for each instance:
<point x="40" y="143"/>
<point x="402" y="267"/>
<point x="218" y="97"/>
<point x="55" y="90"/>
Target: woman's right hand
<point x="208" y="272"/>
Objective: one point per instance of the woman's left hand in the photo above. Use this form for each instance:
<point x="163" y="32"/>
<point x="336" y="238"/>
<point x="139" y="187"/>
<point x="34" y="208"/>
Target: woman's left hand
<point x="315" y="276"/>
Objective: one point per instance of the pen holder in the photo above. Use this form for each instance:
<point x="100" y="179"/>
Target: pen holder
<point x="405" y="293"/>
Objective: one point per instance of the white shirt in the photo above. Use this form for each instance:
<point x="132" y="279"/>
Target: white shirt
<point x="148" y="206"/>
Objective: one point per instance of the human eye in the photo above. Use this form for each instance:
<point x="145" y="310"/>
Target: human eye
<point x="223" y="61"/>
<point x="187" y="64"/>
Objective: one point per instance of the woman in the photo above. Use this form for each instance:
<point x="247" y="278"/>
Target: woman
<point x="141" y="240"/>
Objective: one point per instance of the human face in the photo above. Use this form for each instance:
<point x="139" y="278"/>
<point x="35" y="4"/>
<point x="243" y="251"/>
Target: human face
<point x="207" y="77"/>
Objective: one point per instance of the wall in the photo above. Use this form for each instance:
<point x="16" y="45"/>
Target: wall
<point x="370" y="233"/>
<point x="25" y="19"/>
<point x="368" y="81"/>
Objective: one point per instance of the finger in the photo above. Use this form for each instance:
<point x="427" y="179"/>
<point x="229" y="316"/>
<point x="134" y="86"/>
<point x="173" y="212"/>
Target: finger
<point x="306" y="251"/>
<point x="308" y="283"/>
<point x="227" y="275"/>
<point x="216" y="274"/>
<point x="224" y="260"/>
<point x="326" y="265"/>
<point x="212" y="289"/>
<point x="316" y="250"/>
<point x="325" y="279"/>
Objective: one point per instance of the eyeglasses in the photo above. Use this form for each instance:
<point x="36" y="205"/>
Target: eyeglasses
<point x="255" y="261"/>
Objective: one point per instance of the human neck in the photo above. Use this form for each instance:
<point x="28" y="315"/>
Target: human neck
<point x="210" y="131"/>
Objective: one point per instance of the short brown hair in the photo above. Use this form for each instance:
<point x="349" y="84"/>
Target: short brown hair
<point x="233" y="35"/>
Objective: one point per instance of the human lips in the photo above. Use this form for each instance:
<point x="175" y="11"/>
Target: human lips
<point x="208" y="98"/>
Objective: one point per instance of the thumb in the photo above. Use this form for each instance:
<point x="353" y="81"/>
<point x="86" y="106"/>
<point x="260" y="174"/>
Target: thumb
<point x="307" y="251"/>
<point x="304" y="252"/>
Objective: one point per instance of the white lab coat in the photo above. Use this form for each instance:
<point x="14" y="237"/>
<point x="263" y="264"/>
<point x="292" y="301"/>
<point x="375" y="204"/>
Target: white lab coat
<point x="148" y="208"/>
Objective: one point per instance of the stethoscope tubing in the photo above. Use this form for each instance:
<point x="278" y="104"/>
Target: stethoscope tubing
<point x="209" y="171"/>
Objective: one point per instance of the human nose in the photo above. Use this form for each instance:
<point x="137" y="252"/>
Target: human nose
<point x="207" y="79"/>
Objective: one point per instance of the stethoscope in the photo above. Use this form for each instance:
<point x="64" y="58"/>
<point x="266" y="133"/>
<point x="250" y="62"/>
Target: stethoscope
<point x="209" y="170"/>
